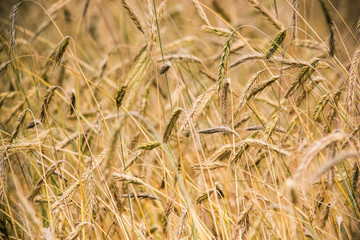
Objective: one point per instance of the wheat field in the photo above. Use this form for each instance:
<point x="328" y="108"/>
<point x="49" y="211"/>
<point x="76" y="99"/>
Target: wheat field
<point x="150" y="119"/>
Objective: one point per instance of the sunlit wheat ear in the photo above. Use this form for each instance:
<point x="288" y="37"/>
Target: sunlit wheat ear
<point x="46" y="102"/>
<point x="12" y="25"/>
<point x="197" y="107"/>
<point x="75" y="233"/>
<point x="18" y="124"/>
<point x="210" y="166"/>
<point x="221" y="129"/>
<point x="134" y="18"/>
<point x="314" y="150"/>
<point x="244" y="95"/>
<point x="149" y="146"/>
<point x="182" y="222"/>
<point x="264" y="11"/>
<point x="58" y="53"/>
<point x="201" y="12"/>
<point x="120" y="96"/>
<point x="353" y="76"/>
<point x="116" y="194"/>
<point x="166" y="218"/>
<point x="223" y="63"/>
<point x="127" y="178"/>
<point x="305" y="73"/>
<point x="275" y="44"/>
<point x="243" y="224"/>
<point x="321" y="105"/>
<point x="224" y="102"/>
<point x="216" y="31"/>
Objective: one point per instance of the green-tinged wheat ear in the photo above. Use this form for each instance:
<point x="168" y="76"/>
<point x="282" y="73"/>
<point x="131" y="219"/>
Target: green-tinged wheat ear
<point x="305" y="73"/>
<point x="171" y="124"/>
<point x="217" y="31"/>
<point x="223" y="63"/>
<point x="224" y="101"/>
<point x="198" y="106"/>
<point x="354" y="73"/>
<point x="58" y="53"/>
<point x="203" y="196"/>
<point x="72" y="102"/>
<point x="120" y="96"/>
<point x="275" y="44"/>
<point x="321" y="105"/>
<point x="149" y="146"/>
<point x="46" y="102"/>
<point x="272" y="19"/>
<point x="12" y="25"/>
<point x="201" y="11"/>
<point x="134" y="18"/>
<point x="244" y="95"/>
<point x="18" y="124"/>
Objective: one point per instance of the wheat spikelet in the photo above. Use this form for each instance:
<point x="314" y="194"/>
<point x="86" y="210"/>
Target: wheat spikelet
<point x="222" y="129"/>
<point x="295" y="4"/>
<point x="120" y="96"/>
<point x="321" y="105"/>
<point x="243" y="224"/>
<point x="75" y="233"/>
<point x="141" y="195"/>
<point x="261" y="127"/>
<point x="134" y="18"/>
<point x="271" y="126"/>
<point x="58" y="53"/>
<point x="223" y="63"/>
<point x="109" y="157"/>
<point x="171" y="124"/>
<point x="166" y="66"/>
<point x="168" y="210"/>
<point x="4" y="66"/>
<point x="261" y="87"/>
<point x="12" y="25"/>
<point x="265" y="146"/>
<point x="116" y="194"/>
<point x="133" y="158"/>
<point x="149" y="146"/>
<point x="314" y="150"/>
<point x="266" y="13"/>
<point x="72" y="102"/>
<point x="201" y="11"/>
<point x="224" y="101"/>
<point x="276" y="60"/>
<point x="203" y="196"/>
<point x="275" y="44"/>
<point x="354" y="73"/>
<point x="217" y="31"/>
<point x="198" y="106"/>
<point x="20" y="146"/>
<point x="49" y="171"/>
<point x="247" y="90"/>
<point x="46" y="102"/>
<point x="210" y="166"/>
<point x="243" y="146"/>
<point x="18" y="124"/>
<point x="221" y="154"/>
<point x="144" y="101"/>
<point x="127" y="178"/>
<point x="184" y="214"/>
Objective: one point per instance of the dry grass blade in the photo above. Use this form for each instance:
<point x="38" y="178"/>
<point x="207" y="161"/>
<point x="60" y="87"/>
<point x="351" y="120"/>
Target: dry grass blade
<point x="261" y="127"/>
<point x="267" y="14"/>
<point x="331" y="162"/>
<point x="171" y="124"/>
<point x="275" y="44"/>
<point x="199" y="104"/>
<point x="314" y="150"/>
<point x="133" y="16"/>
<point x="181" y="58"/>
<point x="222" y="129"/>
